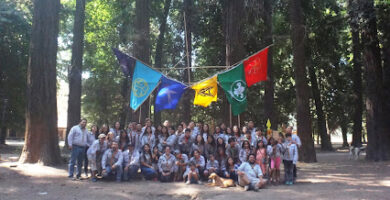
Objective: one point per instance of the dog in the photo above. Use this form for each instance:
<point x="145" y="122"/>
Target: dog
<point x="221" y="182"/>
<point x="354" y="152"/>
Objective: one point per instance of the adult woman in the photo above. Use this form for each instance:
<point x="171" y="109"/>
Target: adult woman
<point x="199" y="161"/>
<point x="162" y="138"/>
<point x="104" y="129"/>
<point x="95" y="131"/>
<point x="146" y="163"/>
<point x="237" y="134"/>
<point x="166" y="165"/>
<point x="205" y="131"/>
<point x="221" y="157"/>
<point x="148" y="137"/>
<point x="116" y="129"/>
<point x="155" y="156"/>
<point x="231" y="169"/>
<point x="245" y="151"/>
<point x="199" y="145"/>
<point x="210" y="146"/>
<point x="110" y="139"/>
<point x="123" y="140"/>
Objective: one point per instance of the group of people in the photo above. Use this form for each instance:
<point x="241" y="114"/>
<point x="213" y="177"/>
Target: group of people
<point x="188" y="153"/>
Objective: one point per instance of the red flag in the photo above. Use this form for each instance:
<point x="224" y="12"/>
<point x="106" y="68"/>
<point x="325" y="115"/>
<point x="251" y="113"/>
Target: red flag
<point x="256" y="67"/>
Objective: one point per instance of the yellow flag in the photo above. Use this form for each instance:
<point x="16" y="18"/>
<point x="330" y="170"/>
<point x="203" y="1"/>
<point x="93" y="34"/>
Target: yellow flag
<point x="205" y="92"/>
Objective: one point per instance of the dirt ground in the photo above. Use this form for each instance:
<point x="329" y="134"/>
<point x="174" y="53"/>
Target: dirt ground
<point x="334" y="176"/>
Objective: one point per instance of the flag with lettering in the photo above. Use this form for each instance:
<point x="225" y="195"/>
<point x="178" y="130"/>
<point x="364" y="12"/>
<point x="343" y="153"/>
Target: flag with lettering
<point x="234" y="85"/>
<point x="169" y="94"/>
<point x="206" y="91"/>
<point x="145" y="80"/>
<point x="126" y="62"/>
<point x="256" y="67"/>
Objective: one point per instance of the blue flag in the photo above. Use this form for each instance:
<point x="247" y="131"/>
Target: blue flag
<point x="169" y="94"/>
<point x="145" y="80"/>
<point x="126" y="62"/>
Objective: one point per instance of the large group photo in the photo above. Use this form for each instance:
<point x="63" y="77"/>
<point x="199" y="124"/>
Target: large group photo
<point x="194" y="99"/>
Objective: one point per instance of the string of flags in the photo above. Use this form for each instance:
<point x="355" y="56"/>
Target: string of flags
<point x="235" y="82"/>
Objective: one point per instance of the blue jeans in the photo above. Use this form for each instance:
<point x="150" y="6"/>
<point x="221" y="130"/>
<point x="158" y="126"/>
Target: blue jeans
<point x="288" y="170"/>
<point x="130" y="172"/>
<point x="117" y="172"/>
<point x="149" y="173"/>
<point x="78" y="153"/>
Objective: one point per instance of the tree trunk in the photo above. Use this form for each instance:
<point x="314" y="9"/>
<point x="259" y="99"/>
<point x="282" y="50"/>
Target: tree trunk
<point x="74" y="101"/>
<point x="142" y="46"/>
<point x="353" y="9"/>
<point x="188" y="11"/>
<point x="269" y="84"/>
<point x="126" y="103"/>
<point x="235" y="51"/>
<point x="384" y="26"/>
<point x="307" y="152"/>
<point x="159" y="50"/>
<point x="41" y="138"/>
<point x="321" y="121"/>
<point x="344" y="131"/>
<point x="377" y="148"/>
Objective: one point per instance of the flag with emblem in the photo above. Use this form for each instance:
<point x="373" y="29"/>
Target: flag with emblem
<point x="126" y="62"/>
<point x="256" y="67"/>
<point x="205" y="91"/>
<point x="169" y="94"/>
<point x="234" y="85"/>
<point x="145" y="80"/>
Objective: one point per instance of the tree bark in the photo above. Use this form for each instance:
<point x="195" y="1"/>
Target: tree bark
<point x="307" y="152"/>
<point x="159" y="50"/>
<point x="344" y="131"/>
<point x="188" y="10"/>
<point x="142" y="46"/>
<point x="377" y="148"/>
<point x="74" y="101"/>
<point x="269" y="84"/>
<point x="41" y="138"/>
<point x="326" y="145"/>
<point x="353" y="9"/>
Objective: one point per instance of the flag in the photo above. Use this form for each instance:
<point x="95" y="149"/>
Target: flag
<point x="145" y="80"/>
<point x="256" y="67"/>
<point x="126" y="62"/>
<point x="169" y="94"/>
<point x="234" y="85"/>
<point x="206" y="92"/>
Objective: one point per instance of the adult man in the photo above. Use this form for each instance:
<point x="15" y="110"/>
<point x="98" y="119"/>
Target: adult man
<point x="252" y="129"/>
<point x="112" y="162"/>
<point x="77" y="142"/>
<point x="233" y="149"/>
<point x="130" y="162"/>
<point x="194" y="132"/>
<point x="258" y="136"/>
<point x="166" y="165"/>
<point x="137" y="137"/>
<point x="250" y="175"/>
<point x="148" y="123"/>
<point x="180" y="165"/>
<point x="185" y="142"/>
<point x="95" y="154"/>
<point x="295" y="140"/>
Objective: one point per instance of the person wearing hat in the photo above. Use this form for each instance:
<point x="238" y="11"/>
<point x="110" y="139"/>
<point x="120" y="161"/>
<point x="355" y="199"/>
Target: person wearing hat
<point x="95" y="153"/>
<point x="130" y="162"/>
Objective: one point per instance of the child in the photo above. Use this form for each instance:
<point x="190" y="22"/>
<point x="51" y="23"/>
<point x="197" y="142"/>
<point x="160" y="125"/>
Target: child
<point x="290" y="158"/>
<point x="192" y="174"/>
<point x="261" y="155"/>
<point x="211" y="167"/>
<point x="275" y="154"/>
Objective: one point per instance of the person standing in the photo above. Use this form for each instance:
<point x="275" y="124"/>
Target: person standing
<point x="296" y="140"/>
<point x="77" y="142"/>
<point x="90" y="140"/>
<point x="290" y="158"/>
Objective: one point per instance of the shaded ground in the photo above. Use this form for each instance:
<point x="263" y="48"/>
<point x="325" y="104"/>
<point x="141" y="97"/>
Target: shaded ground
<point x="332" y="177"/>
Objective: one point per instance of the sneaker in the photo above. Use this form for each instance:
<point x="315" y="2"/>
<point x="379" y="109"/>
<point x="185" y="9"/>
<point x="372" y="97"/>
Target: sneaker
<point x="200" y="182"/>
<point x="188" y="182"/>
<point x="70" y="177"/>
<point x="246" y="188"/>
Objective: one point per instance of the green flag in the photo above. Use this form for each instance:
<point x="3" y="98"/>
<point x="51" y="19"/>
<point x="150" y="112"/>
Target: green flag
<point x="234" y="84"/>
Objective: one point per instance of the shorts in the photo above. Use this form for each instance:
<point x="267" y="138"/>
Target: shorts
<point x="275" y="163"/>
<point x="92" y="164"/>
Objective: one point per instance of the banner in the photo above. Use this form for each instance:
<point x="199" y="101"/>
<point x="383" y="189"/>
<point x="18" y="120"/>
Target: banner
<point x="126" y="62"/>
<point x="206" y="92"/>
<point x="256" y="67"/>
<point x="169" y="94"/>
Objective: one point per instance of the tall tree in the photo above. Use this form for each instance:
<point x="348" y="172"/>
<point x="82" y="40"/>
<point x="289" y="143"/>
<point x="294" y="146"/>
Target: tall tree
<point x="353" y="10"/>
<point x="159" y="48"/>
<point x="142" y="45"/>
<point x="269" y="84"/>
<point x="41" y="138"/>
<point x="188" y="12"/>
<point x="377" y="146"/>
<point x="74" y="76"/>
<point x="307" y="152"/>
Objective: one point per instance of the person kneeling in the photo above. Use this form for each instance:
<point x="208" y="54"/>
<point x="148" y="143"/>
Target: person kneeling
<point x="250" y="175"/>
<point x="112" y="162"/>
<point x="166" y="165"/>
<point x="95" y="154"/>
<point x="130" y="163"/>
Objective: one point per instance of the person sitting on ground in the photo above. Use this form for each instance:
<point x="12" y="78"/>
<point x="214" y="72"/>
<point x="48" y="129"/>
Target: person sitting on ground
<point x="130" y="162"/>
<point x="233" y="149"/>
<point x="290" y="158"/>
<point x="95" y="154"/>
<point x="146" y="163"/>
<point x="112" y="162"/>
<point x="245" y="151"/>
<point x="180" y="165"/>
<point x="212" y="166"/>
<point x="185" y="142"/>
<point x="192" y="174"/>
<point x="166" y="165"/>
<point x="250" y="175"/>
<point x="230" y="170"/>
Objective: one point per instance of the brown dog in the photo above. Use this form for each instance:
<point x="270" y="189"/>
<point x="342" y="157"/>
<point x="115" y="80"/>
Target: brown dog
<point x="221" y="182"/>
